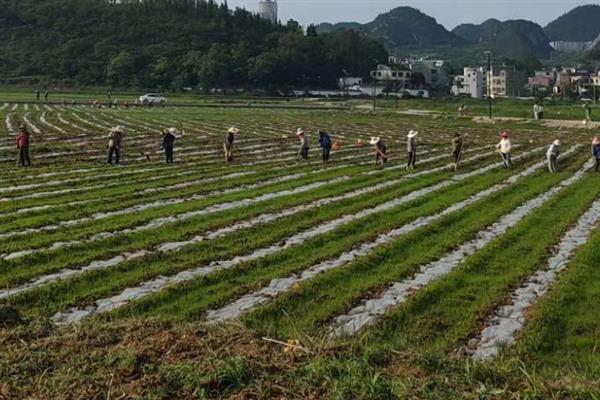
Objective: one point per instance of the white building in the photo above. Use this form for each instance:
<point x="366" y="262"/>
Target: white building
<point x="385" y="73"/>
<point x="432" y="71"/>
<point x="349" y="81"/>
<point x="267" y="9"/>
<point x="471" y="83"/>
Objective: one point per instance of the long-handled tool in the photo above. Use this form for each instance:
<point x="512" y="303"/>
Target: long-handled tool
<point x="458" y="159"/>
<point x="504" y="160"/>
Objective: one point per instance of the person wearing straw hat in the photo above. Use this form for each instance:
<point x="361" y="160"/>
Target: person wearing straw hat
<point x="23" y="141"/>
<point x="457" y="148"/>
<point x="115" y="139"/>
<point x="552" y="156"/>
<point x="411" y="147"/>
<point x="168" y="143"/>
<point x="596" y="152"/>
<point x="325" y="143"/>
<point x="228" y="143"/>
<point x="304" y="144"/>
<point x="504" y="148"/>
<point x="381" y="155"/>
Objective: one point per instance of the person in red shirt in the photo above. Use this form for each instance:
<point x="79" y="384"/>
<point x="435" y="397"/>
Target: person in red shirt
<point x="23" y="140"/>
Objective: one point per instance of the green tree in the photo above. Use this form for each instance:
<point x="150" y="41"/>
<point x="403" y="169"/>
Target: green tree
<point x="215" y="68"/>
<point x="120" y="70"/>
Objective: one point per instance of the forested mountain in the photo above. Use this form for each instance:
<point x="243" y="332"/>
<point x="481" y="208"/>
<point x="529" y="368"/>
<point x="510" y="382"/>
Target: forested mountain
<point x="515" y="39"/>
<point x="581" y="24"/>
<point x="405" y="31"/>
<point x="169" y="44"/>
<point x="406" y="26"/>
<point x="401" y="27"/>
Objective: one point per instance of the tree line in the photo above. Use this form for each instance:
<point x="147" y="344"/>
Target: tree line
<point x="170" y="45"/>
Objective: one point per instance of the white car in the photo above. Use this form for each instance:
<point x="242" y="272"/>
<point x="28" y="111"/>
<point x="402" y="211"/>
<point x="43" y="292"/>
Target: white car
<point x="152" y="98"/>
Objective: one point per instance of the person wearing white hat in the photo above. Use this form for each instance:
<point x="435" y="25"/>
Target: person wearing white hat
<point x="552" y="156"/>
<point x="168" y="143"/>
<point x="115" y="139"/>
<point x="504" y="148"/>
<point x="228" y="143"/>
<point x="381" y="156"/>
<point x="411" y="148"/>
<point x="304" y="144"/>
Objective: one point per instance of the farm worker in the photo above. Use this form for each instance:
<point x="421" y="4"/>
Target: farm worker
<point x="588" y="112"/>
<point x="411" y="148"/>
<point x="541" y="112"/>
<point x="381" y="155"/>
<point x="23" y="140"/>
<point x="304" y="144"/>
<point x="536" y="111"/>
<point x="169" y="137"/>
<point x="46" y="94"/>
<point x="457" y="147"/>
<point x="37" y="94"/>
<point x="228" y="143"/>
<point x="504" y="148"/>
<point x="596" y="152"/>
<point x="325" y="142"/>
<point x="462" y="110"/>
<point x="552" y="156"/>
<point x="115" y="138"/>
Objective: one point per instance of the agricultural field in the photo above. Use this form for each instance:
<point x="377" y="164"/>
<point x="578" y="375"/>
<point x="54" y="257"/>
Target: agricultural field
<point x="275" y="278"/>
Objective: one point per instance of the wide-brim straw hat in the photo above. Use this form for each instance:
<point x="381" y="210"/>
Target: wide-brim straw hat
<point x="375" y="140"/>
<point x="116" y="129"/>
<point x="173" y="131"/>
<point x="412" y="134"/>
<point x="556" y="142"/>
<point x="300" y="131"/>
<point x="233" y="130"/>
<point x="22" y="127"/>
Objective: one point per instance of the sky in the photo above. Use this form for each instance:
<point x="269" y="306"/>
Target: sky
<point x="447" y="12"/>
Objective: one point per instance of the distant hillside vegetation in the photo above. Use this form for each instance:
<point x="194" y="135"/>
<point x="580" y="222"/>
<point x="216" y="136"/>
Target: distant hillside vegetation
<point x="326" y="27"/>
<point x="581" y="24"/>
<point x="406" y="26"/>
<point x="170" y="44"/>
<point x="515" y="39"/>
<point x="399" y="28"/>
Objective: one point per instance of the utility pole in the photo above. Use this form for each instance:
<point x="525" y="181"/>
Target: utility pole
<point x="346" y="89"/>
<point x="375" y="85"/>
<point x="489" y="82"/>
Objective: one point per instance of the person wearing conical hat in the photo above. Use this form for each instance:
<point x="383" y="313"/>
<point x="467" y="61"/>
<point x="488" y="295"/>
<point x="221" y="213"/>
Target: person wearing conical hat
<point x="552" y="156"/>
<point x="411" y="148"/>
<point x="23" y="141"/>
<point x="596" y="152"/>
<point x="381" y="156"/>
<point x="168" y="143"/>
<point x="228" y="143"/>
<point x="115" y="139"/>
<point x="504" y="148"/>
<point x="304" y="144"/>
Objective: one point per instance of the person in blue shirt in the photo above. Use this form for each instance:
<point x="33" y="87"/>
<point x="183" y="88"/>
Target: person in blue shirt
<point x="325" y="142"/>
